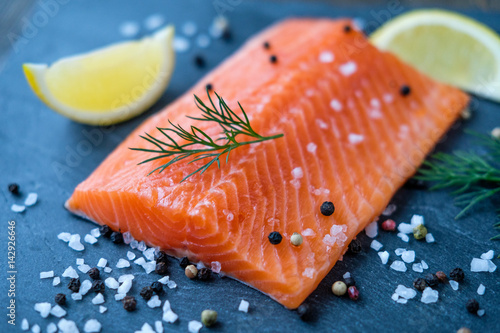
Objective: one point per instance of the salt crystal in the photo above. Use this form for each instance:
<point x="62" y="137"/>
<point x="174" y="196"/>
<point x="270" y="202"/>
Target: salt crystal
<point x="154" y="302"/>
<point x="488" y="255"/>
<point x="17" y="208"/>
<point x="321" y="124"/>
<point x="481" y="289"/>
<point x="375" y="103"/>
<point x="402" y="301"/>
<point x="311" y="147"/>
<point x="418" y="268"/>
<point x="102" y="309"/>
<point x="329" y="240"/>
<point x="102" y="263"/>
<point x="429" y="295"/>
<point x="149" y="266"/>
<point x="395" y="297"/>
<point x="95" y="232"/>
<point x="181" y="44"/>
<point x="429" y="238"/>
<point x="140" y="261"/>
<point x="64" y="236"/>
<point x="336" y="105"/>
<point x="346" y="275"/>
<point x="243" y="307"/>
<point x="146" y="328"/>
<point x="166" y="306"/>
<point x="194" y="326"/>
<point x="84" y="268"/>
<point x="75" y="244"/>
<point x="67" y="326"/>
<point x="127" y="237"/>
<point x="169" y="316"/>
<point x="398" y="266"/>
<point x="154" y="21"/>
<point x="480" y="312"/>
<point x="326" y="57"/>
<point x="399" y="251"/>
<point x="171" y="284"/>
<point x="76" y="296"/>
<point x="405" y="292"/>
<point x="107" y="269"/>
<point x="80" y="261"/>
<point x="129" y="29"/>
<point x="51" y="328"/>
<point x="43" y="308"/>
<point x="189" y="28"/>
<point x="57" y="311"/>
<point x="119" y="297"/>
<point x="56" y="281"/>
<point x="348" y="68"/>
<point x="376" y="245"/>
<point x="125" y="287"/>
<point x="219" y="25"/>
<point x="46" y="275"/>
<point x="491" y="266"/>
<point x="355" y="138"/>
<point x="25" y="325"/>
<point x="31" y="199"/>
<point x="389" y="210"/>
<point x="200" y="265"/>
<point x="297" y="173"/>
<point x="203" y="41"/>
<point x="424" y="265"/>
<point x="141" y="246"/>
<point x="92" y="326"/>
<point x="122" y="263"/>
<point x="70" y="272"/>
<point x="158" y="326"/>
<point x="308" y="232"/>
<point x="405" y="228"/>
<point x="111" y="283"/>
<point x="215" y="266"/>
<point x="149" y="254"/>
<point x="384" y="256"/>
<point x="125" y="277"/>
<point x="388" y="98"/>
<point x="404" y="237"/>
<point x="36" y="329"/>
<point x="130" y="255"/>
<point x="98" y="299"/>
<point x="90" y="239"/>
<point x="371" y="229"/>
<point x="416" y="220"/>
<point x="408" y="256"/>
<point x="479" y="265"/>
<point x="85" y="287"/>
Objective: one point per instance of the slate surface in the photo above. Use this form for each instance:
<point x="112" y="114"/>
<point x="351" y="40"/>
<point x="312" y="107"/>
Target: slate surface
<point x="32" y="139"/>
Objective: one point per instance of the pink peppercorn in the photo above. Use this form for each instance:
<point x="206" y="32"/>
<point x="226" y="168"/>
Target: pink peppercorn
<point x="353" y="293"/>
<point x="389" y="225"/>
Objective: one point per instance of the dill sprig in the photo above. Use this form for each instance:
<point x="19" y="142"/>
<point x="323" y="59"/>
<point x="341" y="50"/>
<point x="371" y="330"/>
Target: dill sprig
<point x="473" y="177"/>
<point x="198" y="144"/>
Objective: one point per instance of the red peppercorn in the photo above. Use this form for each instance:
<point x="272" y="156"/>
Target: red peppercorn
<point x="353" y="293"/>
<point x="389" y="225"/>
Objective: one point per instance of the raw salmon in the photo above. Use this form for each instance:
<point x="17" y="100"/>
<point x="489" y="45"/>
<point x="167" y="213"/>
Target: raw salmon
<point x="357" y="122"/>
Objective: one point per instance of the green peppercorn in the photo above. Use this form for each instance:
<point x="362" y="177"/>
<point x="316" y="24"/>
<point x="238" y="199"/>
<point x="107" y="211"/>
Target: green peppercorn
<point x="339" y="288"/>
<point x="296" y="239"/>
<point x="208" y="317"/>
<point x="419" y="232"/>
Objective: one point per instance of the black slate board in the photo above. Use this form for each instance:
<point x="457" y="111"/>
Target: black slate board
<point x="33" y="138"/>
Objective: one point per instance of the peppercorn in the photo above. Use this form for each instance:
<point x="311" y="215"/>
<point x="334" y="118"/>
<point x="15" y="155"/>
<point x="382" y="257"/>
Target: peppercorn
<point x="117" y="237"/>
<point x="441" y="276"/>
<point x="339" y="288"/>
<point x="98" y="286"/>
<point x="464" y="330"/>
<point x="273" y="59"/>
<point x="457" y="274"/>
<point x="327" y="208"/>
<point x="349" y="281"/>
<point x="355" y="246"/>
<point x="419" y="232"/>
<point x="419" y="284"/>
<point x="472" y="306"/>
<point x="199" y="61"/>
<point x="146" y="293"/>
<point x="14" y="188"/>
<point x="296" y="239"/>
<point x="161" y="268"/>
<point x="184" y="262"/>
<point x="191" y="271"/>
<point x="404" y="90"/>
<point x="275" y="238"/>
<point x="204" y="274"/>
<point x="347" y="28"/>
<point x="389" y="225"/>
<point x="227" y="35"/>
<point x="105" y="231"/>
<point x="157" y="287"/>
<point x="94" y="273"/>
<point x="209" y="87"/>
<point x="266" y="45"/>
<point x="431" y="280"/>
<point x="161" y="256"/>
<point x="129" y="303"/>
<point x="74" y="285"/>
<point x="60" y="299"/>
<point x="353" y="293"/>
<point x="303" y="310"/>
<point x="208" y="317"/>
<point x="415" y="184"/>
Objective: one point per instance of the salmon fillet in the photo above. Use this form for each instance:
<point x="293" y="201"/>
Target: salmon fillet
<point x="350" y="137"/>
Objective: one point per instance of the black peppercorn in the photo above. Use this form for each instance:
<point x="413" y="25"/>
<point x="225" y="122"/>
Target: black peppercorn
<point x="117" y="237"/>
<point x="146" y="293"/>
<point x="472" y="306"/>
<point x="349" y="282"/>
<point x="275" y="238"/>
<point x="199" y="61"/>
<point x="273" y="59"/>
<point x="457" y="274"/>
<point x="14" y="188"/>
<point x="161" y="257"/>
<point x="227" y="35"/>
<point x="266" y="45"/>
<point x="415" y="184"/>
<point x="355" y="246"/>
<point x="209" y="87"/>
<point x="157" y="287"/>
<point x="204" y="274"/>
<point x="419" y="284"/>
<point x="74" y="285"/>
<point x="431" y="280"/>
<point x="94" y="273"/>
<point x="302" y="310"/>
<point x="161" y="268"/>
<point x="129" y="303"/>
<point x="327" y="208"/>
<point x="98" y="286"/>
<point x="404" y="90"/>
<point x="60" y="299"/>
<point x="105" y="231"/>
<point x="347" y="28"/>
<point x="184" y="262"/>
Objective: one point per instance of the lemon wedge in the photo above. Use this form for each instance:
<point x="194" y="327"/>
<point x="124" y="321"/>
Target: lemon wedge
<point x="447" y="46"/>
<point x="108" y="85"/>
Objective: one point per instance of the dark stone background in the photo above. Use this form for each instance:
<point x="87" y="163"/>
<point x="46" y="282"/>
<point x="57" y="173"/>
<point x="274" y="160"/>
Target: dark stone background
<point x="32" y="138"/>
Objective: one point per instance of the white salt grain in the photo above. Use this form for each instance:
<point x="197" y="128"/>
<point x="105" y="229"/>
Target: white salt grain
<point x="181" y="44"/>
<point x="395" y="297"/>
<point x="67" y="326"/>
<point x="43" y="308"/>
<point x="481" y="289"/>
<point x="424" y="265"/>
<point x="90" y="239"/>
<point x="46" y="275"/>
<point x="404" y="237"/>
<point x="416" y="220"/>
<point x="149" y="266"/>
<point x="376" y="245"/>
<point x="76" y="296"/>
<point x="480" y="312"/>
<point x="405" y="292"/>
<point x="355" y="138"/>
<point x="398" y="266"/>
<point x="95" y="232"/>
<point x="127" y="237"/>
<point x="149" y="254"/>
<point x="154" y="302"/>
<point x="389" y="210"/>
<point x="57" y="311"/>
<point x="308" y="232"/>
<point x="154" y="21"/>
<point x="399" y="251"/>
<point x="384" y="257"/>
<point x="215" y="266"/>
<point x="51" y="328"/>
<point x="17" y="208"/>
<point x="25" y="325"/>
<point x="146" y="328"/>
<point x="141" y="246"/>
<point x="158" y="326"/>
<point x="346" y="275"/>
<point x="371" y="229"/>
<point x="130" y="255"/>
<point x="102" y="263"/>
<point x="336" y="105"/>
<point x="119" y="297"/>
<point x="64" y="236"/>
<point x="408" y="256"/>
<point x="169" y="316"/>
<point x="488" y="255"/>
<point x="297" y="173"/>
<point x="326" y="57"/>
<point x="122" y="263"/>
<point x="98" y="299"/>
<point x="56" y="281"/>
<point x="80" y="261"/>
<point x="111" y="283"/>
<point x="140" y="261"/>
<point x="35" y="329"/>
<point x="454" y="284"/>
<point x="107" y="269"/>
<point x="491" y="266"/>
<point x="70" y="272"/>
<point x="311" y="147"/>
<point x="84" y="268"/>
<point x="125" y="287"/>
<point x="429" y="295"/>
<point x="189" y="28"/>
<point x="479" y="265"/>
<point x="31" y="199"/>
<point x="85" y="287"/>
<point x="348" y="68"/>
<point x="75" y="244"/>
<point x="92" y="326"/>
<point x="129" y="29"/>
<point x="243" y="307"/>
<point x="429" y="238"/>
<point x="405" y="228"/>
<point x="402" y="301"/>
<point x="203" y="41"/>
<point x="194" y="326"/>
<point x="418" y="268"/>
<point x="125" y="277"/>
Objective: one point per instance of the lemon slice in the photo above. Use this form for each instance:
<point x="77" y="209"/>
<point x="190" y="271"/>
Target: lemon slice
<point x="108" y="85"/>
<point x="447" y="46"/>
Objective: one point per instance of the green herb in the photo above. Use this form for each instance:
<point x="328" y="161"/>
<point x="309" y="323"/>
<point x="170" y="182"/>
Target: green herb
<point x="198" y="144"/>
<point x="474" y="177"/>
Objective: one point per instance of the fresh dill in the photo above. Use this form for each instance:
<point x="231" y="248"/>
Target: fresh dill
<point x="197" y="144"/>
<point x="472" y="177"/>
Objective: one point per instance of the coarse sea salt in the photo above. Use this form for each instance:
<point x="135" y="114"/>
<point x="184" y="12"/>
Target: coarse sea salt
<point x="111" y="283"/>
<point x="52" y="328"/>
<point x="404" y="237"/>
<point x="76" y="296"/>
<point x="169" y="316"/>
<point x="36" y="329"/>
<point x="203" y="41"/>
<point x="346" y="275"/>
<point x="56" y="281"/>
<point x="399" y="251"/>
<point x="146" y="328"/>
<point x="171" y="284"/>
<point x="67" y="326"/>
<point x="308" y="232"/>
<point x="125" y="287"/>
<point x="90" y="239"/>
<point x="122" y="263"/>
<point x="480" y="312"/>
<point x="488" y="255"/>
<point x="17" y="208"/>
<point x="181" y="44"/>
<point x="57" y="311"/>
<point x="154" y="302"/>
<point x="149" y="266"/>
<point x="140" y="261"/>
<point x="384" y="257"/>
<point x="164" y="280"/>
<point x="31" y="199"/>
<point x="149" y="254"/>
<point x="355" y="138"/>
<point x="119" y="297"/>
<point x="215" y="266"/>
<point x="128" y="29"/>
<point x="70" y="272"/>
<point x="80" y="261"/>
<point x="127" y="237"/>
<point x="102" y="309"/>
<point x="405" y="228"/>
<point x="405" y="292"/>
<point x="418" y="268"/>
<point x="326" y="57"/>
<point x="348" y="68"/>
<point x="244" y="305"/>
<point x="43" y="308"/>
<point x="336" y="105"/>
<point x="95" y="232"/>
<point x="84" y="268"/>
<point x="46" y="275"/>
<point x="491" y="266"/>
<point x="391" y="208"/>
<point x="402" y="301"/>
<point x="429" y="295"/>
<point x="398" y="266"/>
<point x="376" y="245"/>
<point x="371" y="229"/>
<point x="408" y="256"/>
<point x="98" y="299"/>
<point x="297" y="173"/>
<point x="102" y="263"/>
<point x="85" y="287"/>
<point x="158" y="326"/>
<point x="429" y="238"/>
<point x="25" y="325"/>
<point x="130" y="255"/>
<point x="75" y="244"/>
<point x="108" y="269"/>
<point x="481" y="289"/>
<point x="64" y="236"/>
<point x="424" y="264"/>
<point x="125" y="277"/>
<point x="141" y="246"/>
<point x="194" y="326"/>
<point x="416" y="220"/>
<point x="92" y="326"/>
<point x="395" y="297"/>
<point x="154" y="21"/>
<point x="189" y="28"/>
<point x="311" y="147"/>
<point x="479" y="265"/>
